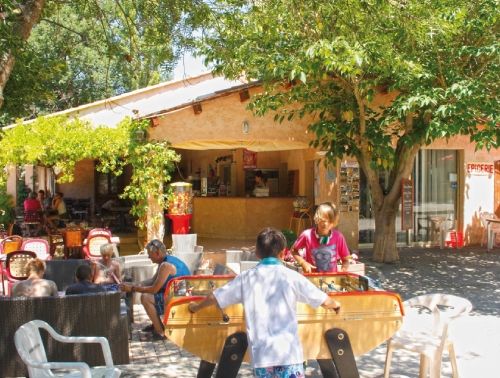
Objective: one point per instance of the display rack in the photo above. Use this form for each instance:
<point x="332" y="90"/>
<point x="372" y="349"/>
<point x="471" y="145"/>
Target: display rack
<point x="349" y="187"/>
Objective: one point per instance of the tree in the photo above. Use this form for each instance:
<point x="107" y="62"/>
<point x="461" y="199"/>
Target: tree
<point x="435" y="60"/>
<point x="57" y="55"/>
<point x="16" y="25"/>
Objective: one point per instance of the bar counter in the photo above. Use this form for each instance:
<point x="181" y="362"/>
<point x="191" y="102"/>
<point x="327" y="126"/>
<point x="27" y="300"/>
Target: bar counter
<point x="239" y="218"/>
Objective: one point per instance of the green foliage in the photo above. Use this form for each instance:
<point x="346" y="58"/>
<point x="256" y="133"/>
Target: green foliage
<point x="61" y="142"/>
<point x="290" y="237"/>
<point x="152" y="163"/>
<point x="442" y="57"/>
<point x="7" y="214"/>
<point x="83" y="51"/>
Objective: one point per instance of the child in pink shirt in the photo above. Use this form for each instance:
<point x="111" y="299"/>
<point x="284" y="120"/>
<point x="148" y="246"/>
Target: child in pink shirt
<point x="323" y="244"/>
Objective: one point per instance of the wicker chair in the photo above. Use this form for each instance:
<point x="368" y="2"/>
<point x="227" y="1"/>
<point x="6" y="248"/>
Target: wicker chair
<point x="76" y="315"/>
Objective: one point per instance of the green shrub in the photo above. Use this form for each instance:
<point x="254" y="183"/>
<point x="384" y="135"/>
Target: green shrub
<point x="7" y="214"/>
<point x="290" y="237"/>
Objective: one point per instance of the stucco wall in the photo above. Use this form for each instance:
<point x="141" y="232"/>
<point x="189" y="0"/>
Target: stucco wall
<point x="222" y="119"/>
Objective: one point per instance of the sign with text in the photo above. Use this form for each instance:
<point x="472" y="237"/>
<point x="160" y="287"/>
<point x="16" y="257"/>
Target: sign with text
<point x="249" y="159"/>
<point x="480" y="169"/>
<point x="406" y="204"/>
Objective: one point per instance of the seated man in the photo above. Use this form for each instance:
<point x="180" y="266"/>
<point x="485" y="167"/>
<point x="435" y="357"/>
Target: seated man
<point x="153" y="289"/>
<point x="84" y="285"/>
<point x="35" y="285"/>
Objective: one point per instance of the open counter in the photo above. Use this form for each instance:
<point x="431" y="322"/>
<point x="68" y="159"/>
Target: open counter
<point x="239" y="217"/>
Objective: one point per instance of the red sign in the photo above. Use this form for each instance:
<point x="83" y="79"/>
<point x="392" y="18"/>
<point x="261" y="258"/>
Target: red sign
<point x="480" y="169"/>
<point x="249" y="159"/>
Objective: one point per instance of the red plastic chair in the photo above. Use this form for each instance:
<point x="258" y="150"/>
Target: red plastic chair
<point x="39" y="246"/>
<point x="15" y="268"/>
<point x="92" y="247"/>
<point x="99" y="231"/>
<point x="32" y="220"/>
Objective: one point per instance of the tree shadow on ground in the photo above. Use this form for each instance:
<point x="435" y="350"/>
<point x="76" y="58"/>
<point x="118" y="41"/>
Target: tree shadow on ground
<point x="471" y="273"/>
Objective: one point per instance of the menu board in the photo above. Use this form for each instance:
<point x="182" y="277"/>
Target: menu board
<point x="406" y="204"/>
<point x="349" y="187"/>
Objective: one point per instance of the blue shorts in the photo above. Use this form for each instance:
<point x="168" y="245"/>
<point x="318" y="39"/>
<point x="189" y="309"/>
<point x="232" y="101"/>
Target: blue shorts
<point x="285" y="371"/>
<point x="159" y="303"/>
<point x="111" y="287"/>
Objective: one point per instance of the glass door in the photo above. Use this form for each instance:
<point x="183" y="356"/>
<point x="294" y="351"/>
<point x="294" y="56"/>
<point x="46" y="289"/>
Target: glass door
<point x="435" y="183"/>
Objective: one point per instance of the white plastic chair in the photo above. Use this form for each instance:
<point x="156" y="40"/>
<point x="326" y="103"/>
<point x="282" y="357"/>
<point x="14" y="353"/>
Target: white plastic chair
<point x="30" y="347"/>
<point x="183" y="243"/>
<point x="489" y="234"/>
<point x="427" y="333"/>
<point x="191" y="259"/>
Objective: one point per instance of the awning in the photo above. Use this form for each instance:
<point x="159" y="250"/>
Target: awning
<point x="253" y="145"/>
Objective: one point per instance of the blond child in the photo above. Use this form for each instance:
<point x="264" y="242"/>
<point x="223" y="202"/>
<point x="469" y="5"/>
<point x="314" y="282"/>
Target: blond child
<point x="323" y="244"/>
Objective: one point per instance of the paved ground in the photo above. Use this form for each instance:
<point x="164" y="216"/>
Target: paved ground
<point x="467" y="272"/>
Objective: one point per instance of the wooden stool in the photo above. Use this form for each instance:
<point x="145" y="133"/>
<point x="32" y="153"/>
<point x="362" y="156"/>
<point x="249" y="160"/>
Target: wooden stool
<point x="300" y="220"/>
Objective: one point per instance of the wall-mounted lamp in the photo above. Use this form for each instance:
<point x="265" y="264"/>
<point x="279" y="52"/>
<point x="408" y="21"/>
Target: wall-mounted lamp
<point x="245" y="127"/>
<point x="197" y="108"/>
<point x="140" y="135"/>
<point x="155" y="121"/>
<point x="244" y="95"/>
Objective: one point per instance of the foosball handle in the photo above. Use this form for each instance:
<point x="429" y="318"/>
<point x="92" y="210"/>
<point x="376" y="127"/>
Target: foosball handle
<point x="205" y="369"/>
<point x="232" y="355"/>
<point x="341" y="351"/>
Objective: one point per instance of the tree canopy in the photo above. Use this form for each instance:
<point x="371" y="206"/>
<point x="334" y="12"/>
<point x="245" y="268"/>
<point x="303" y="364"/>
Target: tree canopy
<point x="380" y="78"/>
<point x="60" y="54"/>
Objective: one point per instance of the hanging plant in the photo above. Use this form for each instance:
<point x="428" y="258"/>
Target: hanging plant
<point x="62" y="142"/>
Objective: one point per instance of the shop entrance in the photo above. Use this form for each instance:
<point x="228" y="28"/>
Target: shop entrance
<point x="435" y="182"/>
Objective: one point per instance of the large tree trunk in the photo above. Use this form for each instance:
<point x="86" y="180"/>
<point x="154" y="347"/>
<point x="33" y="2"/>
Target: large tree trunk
<point x="384" y="247"/>
<point x="30" y="14"/>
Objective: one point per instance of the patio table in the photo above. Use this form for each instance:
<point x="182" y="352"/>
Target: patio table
<point x="138" y="272"/>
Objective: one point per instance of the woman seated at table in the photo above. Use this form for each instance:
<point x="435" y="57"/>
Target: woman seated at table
<point x="57" y="211"/>
<point x="107" y="271"/>
<point x="31" y="204"/>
